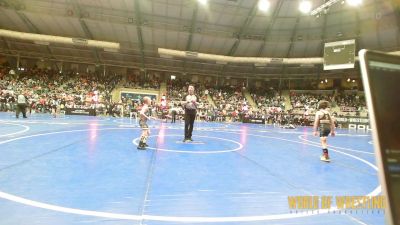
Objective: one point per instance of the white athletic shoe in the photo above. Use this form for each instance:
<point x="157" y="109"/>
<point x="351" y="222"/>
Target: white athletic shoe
<point x="325" y="158"/>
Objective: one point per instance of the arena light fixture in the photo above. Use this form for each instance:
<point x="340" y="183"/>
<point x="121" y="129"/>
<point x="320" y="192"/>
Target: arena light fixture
<point x="263" y="5"/>
<point x="114" y="50"/>
<point x="328" y="3"/>
<point x="42" y="42"/>
<point x="236" y="59"/>
<point x="348" y="79"/>
<point x="305" y="6"/>
<point x="203" y="2"/>
<point x="43" y="39"/>
<point x="323" y="8"/>
<point x="354" y="2"/>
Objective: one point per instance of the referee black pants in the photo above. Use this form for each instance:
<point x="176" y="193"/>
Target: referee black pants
<point x="173" y="119"/>
<point x="21" y="107"/>
<point x="189" y="121"/>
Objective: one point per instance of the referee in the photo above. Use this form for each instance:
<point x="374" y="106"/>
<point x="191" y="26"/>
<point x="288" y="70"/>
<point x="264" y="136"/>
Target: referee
<point x="190" y="106"/>
<point x="21" y="106"/>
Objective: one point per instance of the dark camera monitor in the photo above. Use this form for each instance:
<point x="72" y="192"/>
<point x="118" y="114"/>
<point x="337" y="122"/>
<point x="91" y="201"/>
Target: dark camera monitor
<point x="381" y="79"/>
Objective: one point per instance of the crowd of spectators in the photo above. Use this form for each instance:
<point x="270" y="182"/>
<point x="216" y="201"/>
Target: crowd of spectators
<point x="306" y="101"/>
<point x="349" y="104"/>
<point x="141" y="82"/>
<point x="178" y="88"/>
<point x="267" y="98"/>
<point x="217" y="103"/>
<point x="350" y="100"/>
<point x="46" y="89"/>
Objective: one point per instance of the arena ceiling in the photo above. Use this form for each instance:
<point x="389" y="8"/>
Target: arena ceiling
<point x="223" y="27"/>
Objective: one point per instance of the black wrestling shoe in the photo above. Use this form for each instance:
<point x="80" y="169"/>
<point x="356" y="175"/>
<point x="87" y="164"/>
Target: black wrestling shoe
<point x="141" y="147"/>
